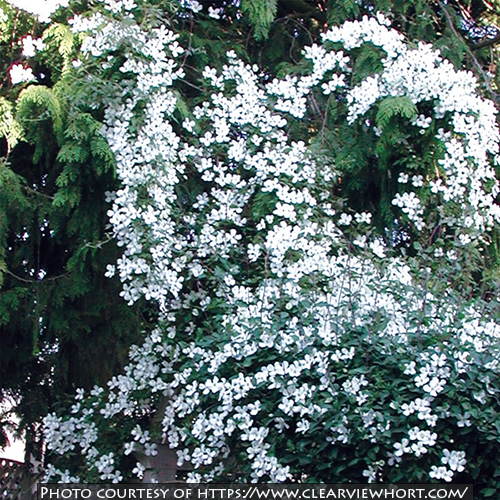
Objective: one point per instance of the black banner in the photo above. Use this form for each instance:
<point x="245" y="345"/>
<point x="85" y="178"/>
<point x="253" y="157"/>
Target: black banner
<point x="178" y="491"/>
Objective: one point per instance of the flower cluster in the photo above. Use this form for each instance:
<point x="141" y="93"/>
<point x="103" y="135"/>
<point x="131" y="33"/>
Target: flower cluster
<point x="276" y="342"/>
<point x="19" y="74"/>
<point x="43" y="8"/>
<point x="465" y="176"/>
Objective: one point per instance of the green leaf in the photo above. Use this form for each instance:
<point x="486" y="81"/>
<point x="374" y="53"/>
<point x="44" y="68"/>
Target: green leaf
<point x="394" y="106"/>
<point x="63" y="38"/>
<point x="489" y="492"/>
<point x="260" y="14"/>
<point x="36" y="103"/>
<point x="9" y="126"/>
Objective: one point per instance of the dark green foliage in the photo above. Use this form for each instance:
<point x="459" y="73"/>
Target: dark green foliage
<point x="62" y="323"/>
<point x="391" y="107"/>
<point x="260" y="14"/>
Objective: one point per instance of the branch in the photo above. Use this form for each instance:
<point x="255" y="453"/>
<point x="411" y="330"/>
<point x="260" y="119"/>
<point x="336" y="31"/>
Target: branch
<point x="24" y="280"/>
<point x="486" y="43"/>
<point x="38" y="193"/>
<point x="33" y="280"/>
<point x="475" y="62"/>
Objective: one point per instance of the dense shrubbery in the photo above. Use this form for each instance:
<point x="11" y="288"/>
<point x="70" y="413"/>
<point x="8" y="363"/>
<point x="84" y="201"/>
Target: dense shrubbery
<point x="316" y="249"/>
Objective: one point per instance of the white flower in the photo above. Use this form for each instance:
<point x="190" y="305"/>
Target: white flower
<point x="464" y="421"/>
<point x="363" y="218"/>
<point x="370" y="474"/>
<point x="139" y="470"/>
<point x="150" y="449"/>
<point x="214" y="13"/>
<point x="129" y="448"/>
<point x="19" y="74"/>
<point x="402" y="447"/>
<point x="435" y="386"/>
<point x="110" y="271"/>
<point x="42" y="8"/>
<point x="408" y="409"/>
<point x="418" y="448"/>
<point x="303" y="426"/>
<point x="454" y="459"/>
<point x="183" y="456"/>
<point x="417" y="181"/>
<point x="378" y="248"/>
<point x="410" y="368"/>
<point x="192" y="5"/>
<point x="422" y="121"/>
<point x="32" y="46"/>
<point x="345" y="219"/>
<point x="441" y="473"/>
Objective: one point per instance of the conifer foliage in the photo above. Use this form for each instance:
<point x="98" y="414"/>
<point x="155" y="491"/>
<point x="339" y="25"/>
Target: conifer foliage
<point x="302" y="207"/>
